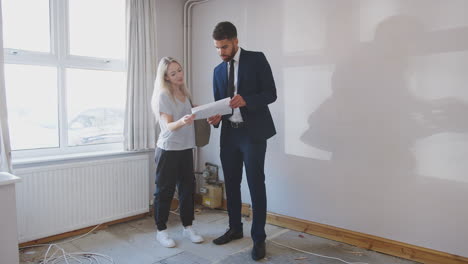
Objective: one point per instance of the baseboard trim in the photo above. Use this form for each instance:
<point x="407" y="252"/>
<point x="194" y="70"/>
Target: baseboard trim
<point x="379" y="244"/>
<point x="81" y="231"/>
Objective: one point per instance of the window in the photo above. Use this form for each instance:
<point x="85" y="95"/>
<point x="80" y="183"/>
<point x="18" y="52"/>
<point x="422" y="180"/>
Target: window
<point x="95" y="112"/>
<point x="96" y="36"/>
<point x="32" y="109"/>
<point x="26" y="25"/>
<point x="65" y="75"/>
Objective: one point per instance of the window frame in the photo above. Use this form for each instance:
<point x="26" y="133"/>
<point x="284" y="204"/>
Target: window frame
<point x="60" y="57"/>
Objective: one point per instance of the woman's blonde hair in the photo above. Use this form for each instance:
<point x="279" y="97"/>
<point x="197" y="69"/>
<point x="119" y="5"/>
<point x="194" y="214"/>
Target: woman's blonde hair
<point x="161" y="85"/>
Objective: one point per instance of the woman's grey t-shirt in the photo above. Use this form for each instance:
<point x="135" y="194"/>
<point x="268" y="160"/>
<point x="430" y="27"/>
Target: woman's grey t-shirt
<point x="184" y="137"/>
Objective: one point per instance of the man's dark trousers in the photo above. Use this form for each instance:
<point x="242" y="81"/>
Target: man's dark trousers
<point x="238" y="150"/>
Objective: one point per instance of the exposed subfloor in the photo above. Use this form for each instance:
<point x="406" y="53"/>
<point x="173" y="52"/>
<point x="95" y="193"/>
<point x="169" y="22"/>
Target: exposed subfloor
<point x="134" y="242"/>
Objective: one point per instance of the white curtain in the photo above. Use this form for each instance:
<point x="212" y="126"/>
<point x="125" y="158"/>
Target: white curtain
<point x="5" y="149"/>
<point x="142" y="65"/>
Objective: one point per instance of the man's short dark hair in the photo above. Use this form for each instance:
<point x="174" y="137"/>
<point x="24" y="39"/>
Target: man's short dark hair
<point x="224" y="30"/>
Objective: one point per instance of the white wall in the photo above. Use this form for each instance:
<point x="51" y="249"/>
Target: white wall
<point x="371" y="111"/>
<point x="169" y="18"/>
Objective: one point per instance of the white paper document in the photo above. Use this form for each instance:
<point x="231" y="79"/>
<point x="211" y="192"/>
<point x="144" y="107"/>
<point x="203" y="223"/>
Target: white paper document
<point x="220" y="107"/>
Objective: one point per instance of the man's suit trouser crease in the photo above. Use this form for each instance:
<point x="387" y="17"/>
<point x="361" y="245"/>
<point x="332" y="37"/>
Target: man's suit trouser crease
<point x="238" y="150"/>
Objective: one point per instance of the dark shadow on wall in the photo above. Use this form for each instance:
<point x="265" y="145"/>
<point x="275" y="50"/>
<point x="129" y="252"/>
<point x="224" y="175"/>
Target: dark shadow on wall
<point x="372" y="120"/>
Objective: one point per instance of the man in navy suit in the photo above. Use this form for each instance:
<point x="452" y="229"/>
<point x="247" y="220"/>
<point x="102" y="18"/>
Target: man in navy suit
<point x="246" y="77"/>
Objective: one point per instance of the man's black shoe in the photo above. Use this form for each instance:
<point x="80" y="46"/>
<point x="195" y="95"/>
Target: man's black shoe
<point x="230" y="235"/>
<point x="258" y="251"/>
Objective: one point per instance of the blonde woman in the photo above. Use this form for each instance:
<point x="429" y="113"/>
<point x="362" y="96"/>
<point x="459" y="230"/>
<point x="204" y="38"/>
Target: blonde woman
<point x="174" y="158"/>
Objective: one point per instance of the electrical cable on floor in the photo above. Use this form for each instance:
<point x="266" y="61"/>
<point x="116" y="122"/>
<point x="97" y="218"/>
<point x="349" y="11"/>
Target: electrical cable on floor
<point x="77" y="257"/>
<point x="70" y="258"/>
<point x="318" y="255"/>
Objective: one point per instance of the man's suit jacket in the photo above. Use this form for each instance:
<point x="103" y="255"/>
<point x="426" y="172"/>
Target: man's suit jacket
<point x="256" y="85"/>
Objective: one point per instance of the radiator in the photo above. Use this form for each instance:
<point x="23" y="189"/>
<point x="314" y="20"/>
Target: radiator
<point x="60" y="198"/>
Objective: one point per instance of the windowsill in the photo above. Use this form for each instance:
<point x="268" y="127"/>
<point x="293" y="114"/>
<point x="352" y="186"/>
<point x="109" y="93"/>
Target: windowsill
<point x="47" y="160"/>
<point x="7" y="178"/>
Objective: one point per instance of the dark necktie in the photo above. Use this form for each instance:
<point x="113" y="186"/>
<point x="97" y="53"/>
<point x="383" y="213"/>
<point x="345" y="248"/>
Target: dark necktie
<point x="230" y="89"/>
<point x="231" y="79"/>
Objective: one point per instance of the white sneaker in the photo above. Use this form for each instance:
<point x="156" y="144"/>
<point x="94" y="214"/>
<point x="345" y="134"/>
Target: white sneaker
<point x="192" y="234"/>
<point x="164" y="239"/>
